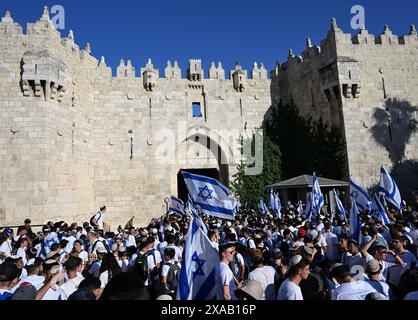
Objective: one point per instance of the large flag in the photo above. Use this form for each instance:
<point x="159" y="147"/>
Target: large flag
<point x="176" y="205"/>
<point x="193" y="212"/>
<point x="378" y="210"/>
<point x="211" y="196"/>
<point x="263" y="206"/>
<point x="317" y="198"/>
<point x="308" y="209"/>
<point x="360" y="195"/>
<point x="129" y="224"/>
<point x="355" y="224"/>
<point x="389" y="189"/>
<point x="277" y="205"/>
<point x="340" y="206"/>
<point x="197" y="280"/>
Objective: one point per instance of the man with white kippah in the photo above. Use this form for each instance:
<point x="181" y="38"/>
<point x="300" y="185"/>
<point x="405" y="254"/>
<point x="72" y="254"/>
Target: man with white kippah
<point x="298" y="271"/>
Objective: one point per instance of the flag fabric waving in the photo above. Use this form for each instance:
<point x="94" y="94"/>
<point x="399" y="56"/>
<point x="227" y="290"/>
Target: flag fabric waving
<point x="318" y="199"/>
<point x="300" y="208"/>
<point x="197" y="278"/>
<point x="211" y="196"/>
<point x="389" y="189"/>
<point x="193" y="212"/>
<point x="263" y="206"/>
<point x="272" y="200"/>
<point x="355" y="224"/>
<point x="277" y="205"/>
<point x="176" y="205"/>
<point x="340" y="206"/>
<point x="360" y="195"/>
<point x="308" y="209"/>
<point x="378" y="210"/>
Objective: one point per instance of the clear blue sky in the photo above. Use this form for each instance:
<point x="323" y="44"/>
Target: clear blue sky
<point x="225" y="30"/>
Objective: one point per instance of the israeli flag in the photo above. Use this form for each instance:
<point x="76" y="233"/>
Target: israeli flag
<point x="360" y="195"/>
<point x="378" y="210"/>
<point x="318" y="199"/>
<point x="193" y="212"/>
<point x="197" y="279"/>
<point x="299" y="209"/>
<point x="263" y="206"/>
<point x="278" y="205"/>
<point x="176" y="205"/>
<point x="355" y="224"/>
<point x="308" y="209"/>
<point x="389" y="189"/>
<point x="272" y="200"/>
<point x="340" y="206"/>
<point x="211" y="196"/>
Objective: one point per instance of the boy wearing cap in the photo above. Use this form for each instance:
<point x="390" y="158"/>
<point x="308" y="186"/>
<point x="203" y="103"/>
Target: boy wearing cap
<point x="373" y="269"/>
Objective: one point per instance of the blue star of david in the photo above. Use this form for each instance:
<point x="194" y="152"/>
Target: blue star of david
<point x="208" y="193"/>
<point x="199" y="263"/>
<point x="354" y="194"/>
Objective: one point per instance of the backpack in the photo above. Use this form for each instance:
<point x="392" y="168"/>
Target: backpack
<point x="141" y="266"/>
<point x="154" y="275"/>
<point x="172" y="276"/>
<point x="104" y="243"/>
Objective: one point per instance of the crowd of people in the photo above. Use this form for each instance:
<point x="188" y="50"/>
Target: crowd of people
<point x="261" y="257"/>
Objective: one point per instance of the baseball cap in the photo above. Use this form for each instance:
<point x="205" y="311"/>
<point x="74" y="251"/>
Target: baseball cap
<point x="373" y="266"/>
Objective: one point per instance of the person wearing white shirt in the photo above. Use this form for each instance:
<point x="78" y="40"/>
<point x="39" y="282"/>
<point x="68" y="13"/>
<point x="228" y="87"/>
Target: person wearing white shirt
<point x="264" y="275"/>
<point x="70" y="238"/>
<point x="21" y="251"/>
<point x="5" y="248"/>
<point x="98" y="219"/>
<point x="95" y="243"/>
<point x="331" y="252"/>
<point x="225" y="278"/>
<point x="373" y="269"/>
<point x="72" y="267"/>
<point x="34" y="277"/>
<point x="79" y="250"/>
<point x="93" y="267"/>
<point x="348" y="288"/>
<point x="51" y="290"/>
<point x="299" y="269"/>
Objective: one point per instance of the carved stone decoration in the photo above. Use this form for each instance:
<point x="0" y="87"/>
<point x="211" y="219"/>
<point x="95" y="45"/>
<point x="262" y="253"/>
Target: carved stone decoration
<point x="150" y="76"/>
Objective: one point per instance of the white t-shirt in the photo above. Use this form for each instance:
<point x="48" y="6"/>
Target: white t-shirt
<point x="266" y="277"/>
<point x="166" y="267"/>
<point x="154" y="253"/>
<point x="289" y="291"/>
<point x="355" y="290"/>
<point x="225" y="278"/>
<point x="99" y="217"/>
<point x="104" y="278"/>
<point x="71" y="285"/>
<point x="83" y="255"/>
<point x="411" y="296"/>
<point x="95" y="245"/>
<point x="35" y="280"/>
<point x="21" y="253"/>
<point x="179" y="252"/>
<point x="6" y="248"/>
<point x="54" y="295"/>
<point x="70" y="244"/>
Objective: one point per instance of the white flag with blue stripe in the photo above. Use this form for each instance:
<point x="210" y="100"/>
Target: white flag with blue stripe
<point x="300" y="208"/>
<point x="378" y="210"/>
<point x="176" y="205"/>
<point x="389" y="189"/>
<point x="197" y="276"/>
<point x="360" y="195"/>
<point x="340" y="206"/>
<point x="263" y="206"/>
<point x="277" y="205"/>
<point x="211" y="196"/>
<point x="355" y="224"/>
<point x="272" y="200"/>
<point x="196" y="216"/>
<point x="317" y="198"/>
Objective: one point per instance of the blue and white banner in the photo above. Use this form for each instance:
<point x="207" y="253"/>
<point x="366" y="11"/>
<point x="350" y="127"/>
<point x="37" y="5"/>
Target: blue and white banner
<point x="299" y="209"/>
<point x="389" y="189"/>
<point x="378" y="210"/>
<point x="211" y="196"/>
<point x="263" y="207"/>
<point x="176" y="205"/>
<point x="317" y="198"/>
<point x="355" y="224"/>
<point x="278" y="205"/>
<point x="272" y="200"/>
<point x="360" y="195"/>
<point x="193" y="212"/>
<point x="197" y="279"/>
<point x="340" y="206"/>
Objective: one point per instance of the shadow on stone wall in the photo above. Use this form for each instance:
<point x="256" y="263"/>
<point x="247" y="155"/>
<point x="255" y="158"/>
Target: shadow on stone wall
<point x="394" y="127"/>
